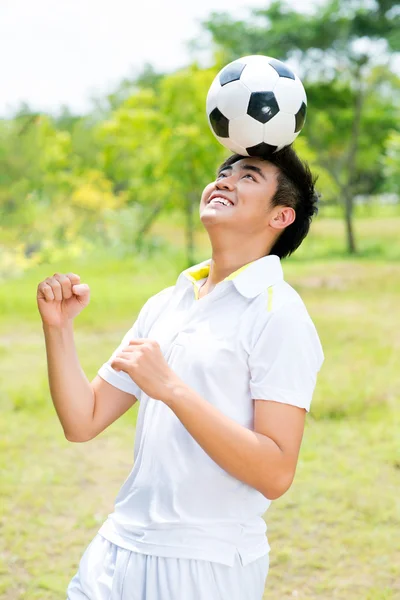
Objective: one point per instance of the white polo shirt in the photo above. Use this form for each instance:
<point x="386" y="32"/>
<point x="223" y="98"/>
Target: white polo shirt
<point x="250" y="338"/>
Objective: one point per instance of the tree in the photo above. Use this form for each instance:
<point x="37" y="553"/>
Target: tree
<point x="349" y="82"/>
<point x="158" y="147"/>
<point x="48" y="195"/>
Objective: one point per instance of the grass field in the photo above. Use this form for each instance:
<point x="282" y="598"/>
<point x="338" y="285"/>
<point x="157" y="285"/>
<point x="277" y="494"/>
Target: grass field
<point x="334" y="534"/>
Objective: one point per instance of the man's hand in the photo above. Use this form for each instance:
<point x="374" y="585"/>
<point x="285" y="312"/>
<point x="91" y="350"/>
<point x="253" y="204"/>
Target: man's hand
<point x="146" y="365"/>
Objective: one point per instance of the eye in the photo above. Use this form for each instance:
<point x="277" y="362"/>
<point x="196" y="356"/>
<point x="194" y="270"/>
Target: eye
<point x="221" y="175"/>
<point x="251" y="176"/>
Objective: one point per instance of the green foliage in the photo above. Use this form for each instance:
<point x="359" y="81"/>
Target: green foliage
<point x="333" y="25"/>
<point x="159" y="146"/>
<point x="42" y="174"/>
<point x="71" y="182"/>
<point x="165" y="153"/>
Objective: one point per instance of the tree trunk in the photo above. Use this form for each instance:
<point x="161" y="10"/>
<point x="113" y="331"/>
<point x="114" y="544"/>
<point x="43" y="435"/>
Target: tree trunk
<point x="190" y="204"/>
<point x="351" y="245"/>
<point x="351" y="163"/>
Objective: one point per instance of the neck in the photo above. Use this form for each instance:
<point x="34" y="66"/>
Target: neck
<point x="226" y="261"/>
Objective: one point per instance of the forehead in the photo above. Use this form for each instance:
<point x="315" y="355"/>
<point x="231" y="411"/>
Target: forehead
<point x="265" y="166"/>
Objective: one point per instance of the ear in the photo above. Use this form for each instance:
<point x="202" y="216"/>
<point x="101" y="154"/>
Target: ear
<point x="282" y="217"/>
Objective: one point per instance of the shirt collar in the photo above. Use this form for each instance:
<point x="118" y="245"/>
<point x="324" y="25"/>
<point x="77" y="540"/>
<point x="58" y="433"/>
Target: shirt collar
<point x="250" y="280"/>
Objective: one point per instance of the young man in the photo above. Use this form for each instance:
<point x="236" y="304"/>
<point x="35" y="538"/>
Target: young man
<point x="224" y="364"/>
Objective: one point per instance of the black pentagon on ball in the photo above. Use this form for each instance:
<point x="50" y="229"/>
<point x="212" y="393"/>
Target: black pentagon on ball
<point x="281" y="68"/>
<point x="231" y="72"/>
<point x="300" y="117"/>
<point x="262" y="149"/>
<point x="220" y="124"/>
<point x="262" y="106"/>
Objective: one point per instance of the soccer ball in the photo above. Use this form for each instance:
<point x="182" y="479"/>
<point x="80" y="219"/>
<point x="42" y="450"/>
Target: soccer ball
<point x="256" y="105"/>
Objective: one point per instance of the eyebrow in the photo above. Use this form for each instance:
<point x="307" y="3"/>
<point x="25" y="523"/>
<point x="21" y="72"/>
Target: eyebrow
<point x="246" y="168"/>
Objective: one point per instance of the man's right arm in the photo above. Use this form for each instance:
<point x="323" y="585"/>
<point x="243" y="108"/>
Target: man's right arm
<point x="84" y="408"/>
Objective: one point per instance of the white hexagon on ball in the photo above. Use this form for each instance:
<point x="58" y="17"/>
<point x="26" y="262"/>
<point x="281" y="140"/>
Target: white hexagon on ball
<point x="300" y="83"/>
<point x="289" y="94"/>
<point x="246" y="131"/>
<point x="233" y="99"/>
<point x="212" y="96"/>
<point x="283" y="145"/>
<point x="259" y="76"/>
<point x="279" y="131"/>
<point x="229" y="143"/>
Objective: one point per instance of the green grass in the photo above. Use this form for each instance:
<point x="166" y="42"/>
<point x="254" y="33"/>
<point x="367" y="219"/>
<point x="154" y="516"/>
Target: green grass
<point x="334" y="534"/>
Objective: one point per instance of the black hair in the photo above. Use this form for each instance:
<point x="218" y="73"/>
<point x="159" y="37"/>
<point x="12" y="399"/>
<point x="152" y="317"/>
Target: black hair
<point x="295" y="188"/>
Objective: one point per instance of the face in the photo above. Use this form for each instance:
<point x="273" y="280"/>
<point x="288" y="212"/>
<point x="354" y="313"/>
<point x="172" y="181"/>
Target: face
<point x="247" y="188"/>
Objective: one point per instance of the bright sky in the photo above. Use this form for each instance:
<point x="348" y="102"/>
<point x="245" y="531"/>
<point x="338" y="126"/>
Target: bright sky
<point x="64" y="52"/>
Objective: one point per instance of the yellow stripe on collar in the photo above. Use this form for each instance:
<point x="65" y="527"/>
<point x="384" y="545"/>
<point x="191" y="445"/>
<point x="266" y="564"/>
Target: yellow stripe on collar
<point x="197" y="274"/>
<point x="200" y="273"/>
<point x="270" y="294"/>
<point x="235" y="273"/>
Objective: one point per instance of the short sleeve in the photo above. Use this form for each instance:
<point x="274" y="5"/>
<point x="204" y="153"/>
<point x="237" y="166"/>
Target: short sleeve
<point x="139" y="329"/>
<point x="286" y="358"/>
<point x="120" y="379"/>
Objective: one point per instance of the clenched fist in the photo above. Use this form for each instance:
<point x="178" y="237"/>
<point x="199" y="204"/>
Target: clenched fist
<point x="145" y="364"/>
<point x="61" y="298"/>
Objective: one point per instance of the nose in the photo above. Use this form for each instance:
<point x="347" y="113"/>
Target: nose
<point x="226" y="183"/>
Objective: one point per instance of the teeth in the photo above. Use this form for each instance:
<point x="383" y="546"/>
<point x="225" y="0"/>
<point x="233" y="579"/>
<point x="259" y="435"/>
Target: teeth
<point x="221" y="200"/>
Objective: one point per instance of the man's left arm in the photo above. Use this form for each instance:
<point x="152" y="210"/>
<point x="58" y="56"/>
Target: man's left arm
<point x="265" y="458"/>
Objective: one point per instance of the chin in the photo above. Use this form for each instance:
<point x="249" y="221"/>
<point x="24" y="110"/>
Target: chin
<point x="210" y="218"/>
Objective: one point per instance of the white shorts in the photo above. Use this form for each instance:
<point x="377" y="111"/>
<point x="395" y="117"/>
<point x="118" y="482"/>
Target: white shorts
<point x="109" y="572"/>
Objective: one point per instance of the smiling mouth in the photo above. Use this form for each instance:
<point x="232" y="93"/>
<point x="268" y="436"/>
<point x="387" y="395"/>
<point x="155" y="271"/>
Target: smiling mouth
<point x="219" y="200"/>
